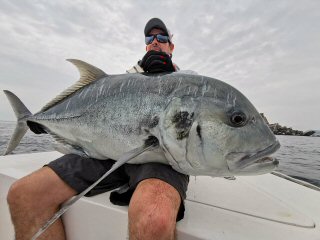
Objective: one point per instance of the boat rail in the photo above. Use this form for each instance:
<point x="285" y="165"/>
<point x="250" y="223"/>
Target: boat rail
<point x="298" y="181"/>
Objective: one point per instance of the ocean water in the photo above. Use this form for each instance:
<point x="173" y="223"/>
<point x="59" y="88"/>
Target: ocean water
<point x="299" y="156"/>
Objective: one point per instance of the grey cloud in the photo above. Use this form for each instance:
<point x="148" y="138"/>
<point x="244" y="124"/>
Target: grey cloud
<point x="267" y="49"/>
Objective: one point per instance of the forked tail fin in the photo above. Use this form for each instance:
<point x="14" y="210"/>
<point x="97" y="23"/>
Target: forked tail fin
<point x="21" y="128"/>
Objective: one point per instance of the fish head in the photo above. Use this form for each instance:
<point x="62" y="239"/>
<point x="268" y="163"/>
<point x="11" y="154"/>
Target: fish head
<point x="218" y="133"/>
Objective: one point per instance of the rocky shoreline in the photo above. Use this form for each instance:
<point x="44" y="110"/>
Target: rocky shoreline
<point x="278" y="129"/>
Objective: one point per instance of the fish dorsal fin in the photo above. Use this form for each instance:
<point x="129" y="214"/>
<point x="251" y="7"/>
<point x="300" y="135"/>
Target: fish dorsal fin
<point x="88" y="74"/>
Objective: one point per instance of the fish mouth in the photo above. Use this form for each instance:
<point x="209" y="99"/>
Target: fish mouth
<point x="261" y="157"/>
<point x="266" y="161"/>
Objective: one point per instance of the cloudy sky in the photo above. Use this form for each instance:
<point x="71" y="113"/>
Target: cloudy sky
<point x="269" y="50"/>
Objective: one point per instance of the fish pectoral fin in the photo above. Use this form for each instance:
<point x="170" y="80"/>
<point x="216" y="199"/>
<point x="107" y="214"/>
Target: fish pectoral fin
<point x="150" y="144"/>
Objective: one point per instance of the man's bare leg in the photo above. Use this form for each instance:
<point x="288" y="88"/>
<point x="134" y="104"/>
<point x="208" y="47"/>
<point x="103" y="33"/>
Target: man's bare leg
<point x="153" y="210"/>
<point x="33" y="200"/>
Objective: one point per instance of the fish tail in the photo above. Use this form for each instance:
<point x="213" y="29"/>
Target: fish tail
<point x="22" y="113"/>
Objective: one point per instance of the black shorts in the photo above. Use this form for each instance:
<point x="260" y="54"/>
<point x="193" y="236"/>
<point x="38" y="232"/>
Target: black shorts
<point x="79" y="173"/>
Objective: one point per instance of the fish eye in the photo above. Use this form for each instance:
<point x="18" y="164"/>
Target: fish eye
<point x="238" y="119"/>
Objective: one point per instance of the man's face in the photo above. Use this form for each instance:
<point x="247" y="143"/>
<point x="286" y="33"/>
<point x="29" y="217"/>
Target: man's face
<point x="158" y="46"/>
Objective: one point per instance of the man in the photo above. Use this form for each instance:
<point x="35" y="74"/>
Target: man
<point x="159" y="49"/>
<point x="154" y="192"/>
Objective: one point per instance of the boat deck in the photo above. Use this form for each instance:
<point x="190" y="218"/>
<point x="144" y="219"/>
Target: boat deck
<point x="256" y="207"/>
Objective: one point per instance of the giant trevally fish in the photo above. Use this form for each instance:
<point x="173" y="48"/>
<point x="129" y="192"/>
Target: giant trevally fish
<point x="197" y="124"/>
<point x="203" y="125"/>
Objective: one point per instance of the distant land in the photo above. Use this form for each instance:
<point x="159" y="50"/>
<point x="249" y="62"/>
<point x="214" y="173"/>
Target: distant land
<point x="278" y="129"/>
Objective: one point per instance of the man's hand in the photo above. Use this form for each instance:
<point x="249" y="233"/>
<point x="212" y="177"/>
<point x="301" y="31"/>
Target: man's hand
<point x="156" y="62"/>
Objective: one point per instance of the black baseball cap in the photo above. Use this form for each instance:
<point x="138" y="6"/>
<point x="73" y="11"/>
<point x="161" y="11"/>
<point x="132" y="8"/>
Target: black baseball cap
<point x="156" y="23"/>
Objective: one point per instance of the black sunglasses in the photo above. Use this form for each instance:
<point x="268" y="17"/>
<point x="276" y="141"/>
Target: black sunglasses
<point x="160" y="38"/>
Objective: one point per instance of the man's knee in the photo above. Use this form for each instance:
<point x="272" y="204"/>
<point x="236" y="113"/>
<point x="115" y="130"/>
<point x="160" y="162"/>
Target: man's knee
<point x="154" y="207"/>
<point x="15" y="192"/>
<point x="42" y="187"/>
<point x="150" y="222"/>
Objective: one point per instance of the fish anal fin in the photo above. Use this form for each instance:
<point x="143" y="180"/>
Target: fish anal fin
<point x="64" y="146"/>
<point x="69" y="149"/>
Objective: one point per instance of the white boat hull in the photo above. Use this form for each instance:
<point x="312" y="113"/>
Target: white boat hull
<point x="257" y="207"/>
